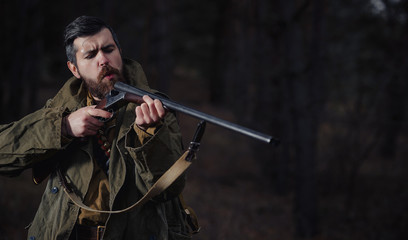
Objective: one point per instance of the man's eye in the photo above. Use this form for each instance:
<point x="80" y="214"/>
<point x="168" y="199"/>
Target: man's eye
<point x="108" y="50"/>
<point x="89" y="56"/>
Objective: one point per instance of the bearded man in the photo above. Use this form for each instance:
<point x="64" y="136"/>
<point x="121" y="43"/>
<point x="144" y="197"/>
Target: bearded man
<point x="110" y="164"/>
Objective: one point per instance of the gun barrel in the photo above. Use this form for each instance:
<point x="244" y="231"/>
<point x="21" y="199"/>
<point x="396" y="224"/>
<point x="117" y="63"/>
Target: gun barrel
<point x="200" y="115"/>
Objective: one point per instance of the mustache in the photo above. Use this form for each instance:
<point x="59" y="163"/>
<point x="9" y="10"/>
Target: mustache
<point x="107" y="70"/>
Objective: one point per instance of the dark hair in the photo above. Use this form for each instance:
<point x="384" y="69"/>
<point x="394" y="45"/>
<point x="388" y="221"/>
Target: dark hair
<point x="81" y="27"/>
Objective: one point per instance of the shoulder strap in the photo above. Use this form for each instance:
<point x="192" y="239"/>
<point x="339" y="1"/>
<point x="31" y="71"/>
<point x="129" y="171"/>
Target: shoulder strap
<point x="162" y="183"/>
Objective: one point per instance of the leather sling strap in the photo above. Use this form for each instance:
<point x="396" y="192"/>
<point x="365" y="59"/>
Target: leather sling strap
<point x="161" y="184"/>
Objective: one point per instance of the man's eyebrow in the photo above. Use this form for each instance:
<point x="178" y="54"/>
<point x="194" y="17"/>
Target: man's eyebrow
<point x="92" y="50"/>
<point x="108" y="46"/>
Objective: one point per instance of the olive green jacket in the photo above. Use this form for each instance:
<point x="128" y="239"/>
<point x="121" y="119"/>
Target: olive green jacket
<point x="134" y="167"/>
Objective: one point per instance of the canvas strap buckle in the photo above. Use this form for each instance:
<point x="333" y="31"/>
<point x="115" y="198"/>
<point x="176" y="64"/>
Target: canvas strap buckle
<point x="99" y="232"/>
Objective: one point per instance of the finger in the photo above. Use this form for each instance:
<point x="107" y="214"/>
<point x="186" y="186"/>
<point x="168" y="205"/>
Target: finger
<point x="153" y="108"/>
<point x="153" y="112"/>
<point x="99" y="113"/>
<point x="159" y="108"/>
<point x="147" y="99"/>
<point x="139" y="115"/>
<point x="146" y="114"/>
<point x="92" y="131"/>
<point x="91" y="121"/>
<point x="86" y="133"/>
<point x="92" y="127"/>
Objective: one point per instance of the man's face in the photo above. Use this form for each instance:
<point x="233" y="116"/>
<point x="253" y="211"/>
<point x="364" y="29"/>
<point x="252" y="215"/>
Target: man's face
<point x="99" y="62"/>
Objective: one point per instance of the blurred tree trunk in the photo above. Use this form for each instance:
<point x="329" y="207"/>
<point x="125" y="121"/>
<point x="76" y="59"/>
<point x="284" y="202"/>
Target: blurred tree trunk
<point x="394" y="116"/>
<point x="20" y="92"/>
<point x="302" y="89"/>
<point x="244" y="77"/>
<point x="265" y="96"/>
<point x="235" y="53"/>
<point x="15" y="86"/>
<point x="158" y="50"/>
<point x="395" y="91"/>
<point x="217" y="85"/>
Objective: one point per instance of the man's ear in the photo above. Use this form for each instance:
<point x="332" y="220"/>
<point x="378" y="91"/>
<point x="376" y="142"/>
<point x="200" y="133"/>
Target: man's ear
<point x="73" y="69"/>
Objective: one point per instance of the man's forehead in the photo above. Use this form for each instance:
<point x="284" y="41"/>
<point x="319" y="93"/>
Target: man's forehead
<point x="98" y="40"/>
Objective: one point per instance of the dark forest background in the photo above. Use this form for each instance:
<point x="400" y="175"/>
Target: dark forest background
<point x="328" y="78"/>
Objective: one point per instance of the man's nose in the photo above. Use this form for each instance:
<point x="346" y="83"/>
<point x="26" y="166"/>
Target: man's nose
<point x="103" y="59"/>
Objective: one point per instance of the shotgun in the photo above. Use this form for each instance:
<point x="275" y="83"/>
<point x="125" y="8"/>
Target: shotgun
<point x="123" y="93"/>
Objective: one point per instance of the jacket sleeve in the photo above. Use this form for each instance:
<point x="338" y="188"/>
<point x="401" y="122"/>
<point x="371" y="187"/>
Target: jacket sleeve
<point x="157" y="154"/>
<point x="29" y="140"/>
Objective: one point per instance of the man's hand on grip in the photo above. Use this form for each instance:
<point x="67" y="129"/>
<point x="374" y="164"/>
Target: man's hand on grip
<point x="82" y="122"/>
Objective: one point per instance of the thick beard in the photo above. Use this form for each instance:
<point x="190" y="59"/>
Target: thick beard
<point x="101" y="87"/>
